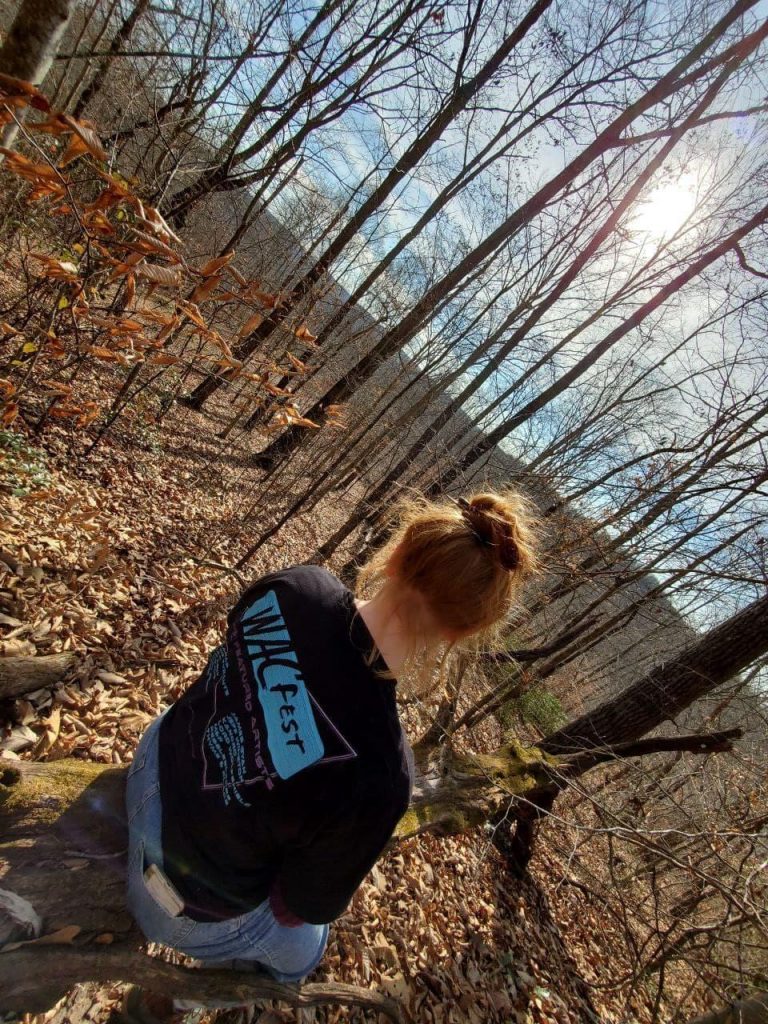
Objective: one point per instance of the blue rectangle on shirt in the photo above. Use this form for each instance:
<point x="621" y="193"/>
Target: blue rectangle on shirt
<point x="292" y="736"/>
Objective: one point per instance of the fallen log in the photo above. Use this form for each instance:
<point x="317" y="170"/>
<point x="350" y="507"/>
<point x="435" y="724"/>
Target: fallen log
<point x="20" y="675"/>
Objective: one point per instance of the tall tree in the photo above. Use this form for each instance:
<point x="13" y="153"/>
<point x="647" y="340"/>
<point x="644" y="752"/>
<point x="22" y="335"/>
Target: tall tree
<point x="678" y="78"/>
<point x="462" y="94"/>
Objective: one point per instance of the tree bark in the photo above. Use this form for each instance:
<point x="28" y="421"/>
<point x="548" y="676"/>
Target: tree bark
<point x="20" y="675"/>
<point x="64" y="840"/>
<point x="31" y="45"/>
<point x="96" y="83"/>
<point x="33" y="38"/>
<point x="670" y="687"/>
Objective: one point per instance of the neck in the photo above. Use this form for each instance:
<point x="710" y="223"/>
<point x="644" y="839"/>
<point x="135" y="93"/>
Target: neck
<point x="387" y="616"/>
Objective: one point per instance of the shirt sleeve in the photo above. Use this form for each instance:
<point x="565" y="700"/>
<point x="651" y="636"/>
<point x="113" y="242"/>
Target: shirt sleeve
<point x="318" y="879"/>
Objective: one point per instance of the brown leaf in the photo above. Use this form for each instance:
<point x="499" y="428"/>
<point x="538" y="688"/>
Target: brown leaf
<point x="212" y="266"/>
<point x="52" y="726"/>
<point x="303" y="333"/>
<point x="297" y="363"/>
<point x="194" y="314"/>
<point x="10" y="86"/>
<point x="250" y="325"/>
<point x="9" y="414"/>
<point x="28" y="168"/>
<point x="159" y="275"/>
<point x="150" y="244"/>
<point x="62" y="937"/>
<point x="163" y="359"/>
<point x="237" y="276"/>
<point x="205" y="290"/>
<point x="265" y="298"/>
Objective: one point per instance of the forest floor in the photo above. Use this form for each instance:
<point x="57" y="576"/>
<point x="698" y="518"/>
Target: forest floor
<point x="114" y="556"/>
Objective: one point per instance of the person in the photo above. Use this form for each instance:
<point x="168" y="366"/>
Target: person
<point x="260" y="799"/>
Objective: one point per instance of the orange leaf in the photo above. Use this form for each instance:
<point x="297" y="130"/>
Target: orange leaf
<point x="103" y="353"/>
<point x="155" y="221"/>
<point x="297" y="363"/>
<point x="193" y="314"/>
<point x="88" y="415"/>
<point x="157" y="318"/>
<point x="163" y="359"/>
<point x="10" y="86"/>
<point x="96" y="220"/>
<point x="54" y="347"/>
<point x="155" y="246"/>
<point x="303" y="333"/>
<point x="204" y="290"/>
<point x="63" y="270"/>
<point x="84" y="131"/>
<point x="53" y="125"/>
<point x="265" y="298"/>
<point x="65" y="390"/>
<point x="74" y="151"/>
<point x="237" y="276"/>
<point x="168" y="330"/>
<point x="250" y="325"/>
<point x="27" y="168"/>
<point x="10" y="412"/>
<point x="212" y="266"/>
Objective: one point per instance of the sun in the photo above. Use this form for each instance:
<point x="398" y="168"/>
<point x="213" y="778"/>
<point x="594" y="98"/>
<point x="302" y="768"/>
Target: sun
<point x="666" y="209"/>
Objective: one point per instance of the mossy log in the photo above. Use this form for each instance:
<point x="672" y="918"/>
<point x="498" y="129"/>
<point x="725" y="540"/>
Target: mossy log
<point x="456" y="792"/>
<point x="20" y="675"/>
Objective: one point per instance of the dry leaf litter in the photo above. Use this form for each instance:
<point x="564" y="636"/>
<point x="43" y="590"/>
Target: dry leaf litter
<point x="114" y="559"/>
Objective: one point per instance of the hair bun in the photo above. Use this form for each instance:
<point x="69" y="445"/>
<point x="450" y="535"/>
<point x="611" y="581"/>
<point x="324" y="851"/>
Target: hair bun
<point x="493" y="528"/>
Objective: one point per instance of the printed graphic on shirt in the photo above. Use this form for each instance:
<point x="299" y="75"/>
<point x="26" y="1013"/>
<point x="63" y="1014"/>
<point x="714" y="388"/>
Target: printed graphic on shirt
<point x="275" y="733"/>
<point x="292" y="735"/>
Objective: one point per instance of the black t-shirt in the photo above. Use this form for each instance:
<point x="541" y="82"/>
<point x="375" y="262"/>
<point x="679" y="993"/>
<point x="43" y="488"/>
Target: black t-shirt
<point x="285" y="761"/>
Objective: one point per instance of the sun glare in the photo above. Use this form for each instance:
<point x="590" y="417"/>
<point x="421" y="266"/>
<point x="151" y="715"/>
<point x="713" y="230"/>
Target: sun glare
<point x="665" y="209"/>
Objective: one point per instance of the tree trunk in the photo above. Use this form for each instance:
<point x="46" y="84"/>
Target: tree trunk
<point x="609" y="138"/>
<point x="548" y="395"/>
<point x="64" y="835"/>
<point x="63" y="847"/>
<point x="31" y="44"/>
<point x="454" y="106"/>
<point x="669" y="688"/>
<point x="25" y="674"/>
<point x="95" y="85"/>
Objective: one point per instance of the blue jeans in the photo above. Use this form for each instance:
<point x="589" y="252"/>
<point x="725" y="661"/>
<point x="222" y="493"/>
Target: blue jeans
<point x="289" y="954"/>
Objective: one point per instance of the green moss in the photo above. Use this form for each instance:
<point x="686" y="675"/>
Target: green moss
<point x="49" y="789"/>
<point x="536" y="706"/>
